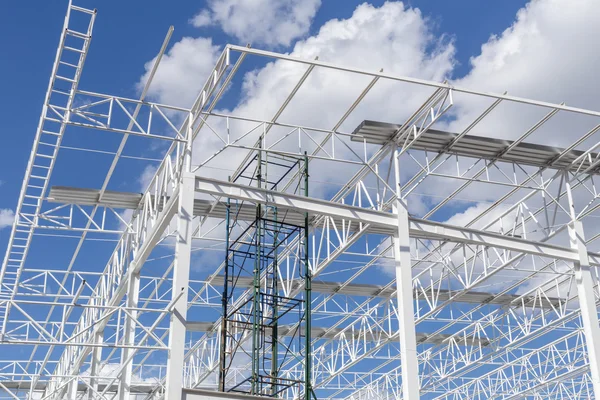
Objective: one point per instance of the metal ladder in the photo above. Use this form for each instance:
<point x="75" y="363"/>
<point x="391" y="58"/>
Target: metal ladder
<point x="64" y="79"/>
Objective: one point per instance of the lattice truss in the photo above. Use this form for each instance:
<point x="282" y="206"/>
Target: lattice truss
<point x="452" y="256"/>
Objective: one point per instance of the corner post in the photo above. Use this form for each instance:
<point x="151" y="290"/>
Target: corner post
<point x="585" y="292"/>
<point x="95" y="367"/>
<point x="404" y="292"/>
<point x="133" y="293"/>
<point x="181" y="272"/>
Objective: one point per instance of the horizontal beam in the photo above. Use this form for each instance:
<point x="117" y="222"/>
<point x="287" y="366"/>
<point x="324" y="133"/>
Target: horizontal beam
<point x="380" y="222"/>
<point x="481" y="147"/>
<point x="400" y="78"/>
<point x="340" y="333"/>
<point x="139" y="387"/>
<point x="386" y="222"/>
<point x="388" y="292"/>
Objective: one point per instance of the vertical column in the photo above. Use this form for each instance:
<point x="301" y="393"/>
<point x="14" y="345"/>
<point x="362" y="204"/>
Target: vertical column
<point x="224" y="301"/>
<point x="133" y="292"/>
<point x="181" y="274"/>
<point x="72" y="388"/>
<point x="585" y="292"/>
<point x="404" y="292"/>
<point x="95" y="365"/>
<point x="308" y="390"/>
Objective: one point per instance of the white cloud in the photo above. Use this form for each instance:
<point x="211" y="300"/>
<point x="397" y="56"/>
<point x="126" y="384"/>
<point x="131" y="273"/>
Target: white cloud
<point x="182" y="71"/>
<point x="7" y="216"/>
<point x="146" y="178"/>
<point x="203" y="18"/>
<point x="260" y="22"/>
<point x="544" y="55"/>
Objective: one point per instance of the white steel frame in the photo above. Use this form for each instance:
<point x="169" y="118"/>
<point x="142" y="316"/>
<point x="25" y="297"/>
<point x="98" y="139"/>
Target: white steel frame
<point x="446" y="327"/>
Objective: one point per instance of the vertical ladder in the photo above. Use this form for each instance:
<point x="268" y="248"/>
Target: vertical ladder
<point x="66" y="72"/>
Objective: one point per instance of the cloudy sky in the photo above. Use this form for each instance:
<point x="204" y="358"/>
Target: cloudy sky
<point x="539" y="49"/>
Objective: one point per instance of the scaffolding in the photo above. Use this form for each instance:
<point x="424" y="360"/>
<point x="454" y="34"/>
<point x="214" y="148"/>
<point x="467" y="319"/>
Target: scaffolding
<point x="254" y="253"/>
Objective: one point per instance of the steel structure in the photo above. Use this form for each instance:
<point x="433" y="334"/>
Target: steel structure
<point x="106" y="293"/>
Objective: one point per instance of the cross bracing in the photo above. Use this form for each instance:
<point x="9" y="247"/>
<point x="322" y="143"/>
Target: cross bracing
<point x="417" y="293"/>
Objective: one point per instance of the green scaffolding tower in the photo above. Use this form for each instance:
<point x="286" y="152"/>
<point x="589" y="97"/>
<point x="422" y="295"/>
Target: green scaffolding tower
<point x="267" y="286"/>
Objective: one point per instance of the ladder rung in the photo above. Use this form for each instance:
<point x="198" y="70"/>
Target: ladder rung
<point x="73" y="49"/>
<point x="83" y="10"/>
<point x="39" y="177"/>
<point x="68" y="64"/>
<point x="62" y="78"/>
<point x="44" y="156"/>
<point x="61" y="92"/>
<point x="40" y="166"/>
<point x="48" y="144"/>
<point x="34" y="186"/>
<point x="77" y="34"/>
<point x="28" y="196"/>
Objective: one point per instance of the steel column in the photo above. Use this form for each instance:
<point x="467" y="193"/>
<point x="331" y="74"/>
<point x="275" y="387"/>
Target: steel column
<point x="95" y="366"/>
<point x="181" y="272"/>
<point x="585" y="292"/>
<point x="133" y="292"/>
<point x="404" y="292"/>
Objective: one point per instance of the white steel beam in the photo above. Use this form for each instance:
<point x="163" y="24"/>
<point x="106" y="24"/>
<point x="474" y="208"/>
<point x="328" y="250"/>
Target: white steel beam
<point x="181" y="275"/>
<point x="95" y="366"/>
<point x="133" y="293"/>
<point x="585" y="290"/>
<point x="404" y="292"/>
<point x="386" y="221"/>
<point x="400" y="78"/>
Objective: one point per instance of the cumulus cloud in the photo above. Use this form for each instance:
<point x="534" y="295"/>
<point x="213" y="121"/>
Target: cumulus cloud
<point x="260" y="22"/>
<point x="542" y="56"/>
<point x="182" y="71"/>
<point x="7" y="216"/>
